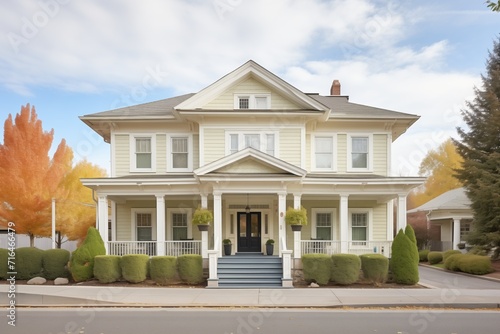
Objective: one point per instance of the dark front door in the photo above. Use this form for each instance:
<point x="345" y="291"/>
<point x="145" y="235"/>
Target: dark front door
<point x="249" y="232"/>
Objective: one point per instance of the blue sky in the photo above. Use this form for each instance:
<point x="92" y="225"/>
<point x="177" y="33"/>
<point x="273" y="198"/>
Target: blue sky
<point x="70" y="58"/>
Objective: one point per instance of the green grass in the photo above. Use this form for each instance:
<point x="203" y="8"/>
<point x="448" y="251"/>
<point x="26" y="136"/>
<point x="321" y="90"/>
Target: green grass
<point x="438" y="265"/>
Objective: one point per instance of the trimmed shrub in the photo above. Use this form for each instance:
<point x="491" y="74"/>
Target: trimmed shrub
<point x="4" y="260"/>
<point x="475" y="264"/>
<point x="452" y="262"/>
<point x="55" y="263"/>
<point x="435" y="257"/>
<point x="107" y="268"/>
<point x="410" y="234"/>
<point x="82" y="259"/>
<point x="163" y="269"/>
<point x="422" y="255"/>
<point x="190" y="268"/>
<point x="375" y="267"/>
<point x="317" y="268"/>
<point x="404" y="261"/>
<point x="134" y="267"/>
<point x="28" y="262"/>
<point x="449" y="253"/>
<point x="345" y="268"/>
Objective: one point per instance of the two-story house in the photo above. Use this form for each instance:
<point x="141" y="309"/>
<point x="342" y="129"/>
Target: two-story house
<point x="247" y="147"/>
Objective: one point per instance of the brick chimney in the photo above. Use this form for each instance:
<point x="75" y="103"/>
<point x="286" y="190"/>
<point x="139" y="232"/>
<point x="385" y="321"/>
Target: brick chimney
<point x="335" y="89"/>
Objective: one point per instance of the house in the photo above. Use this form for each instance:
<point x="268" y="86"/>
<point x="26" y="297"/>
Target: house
<point x="249" y="146"/>
<point x="452" y="213"/>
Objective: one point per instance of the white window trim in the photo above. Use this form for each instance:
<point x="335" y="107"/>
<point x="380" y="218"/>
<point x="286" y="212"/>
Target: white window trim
<point x="170" y="224"/>
<point x="369" y="168"/>
<point x="134" y="212"/>
<point x="263" y="140"/>
<point x="170" y="167"/>
<point x="251" y="101"/>
<point x="369" y="211"/>
<point x="334" y="152"/>
<point x="133" y="159"/>
<point x="333" y="213"/>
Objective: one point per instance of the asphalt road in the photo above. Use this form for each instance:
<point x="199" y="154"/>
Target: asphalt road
<point x="443" y="279"/>
<point x="248" y="321"/>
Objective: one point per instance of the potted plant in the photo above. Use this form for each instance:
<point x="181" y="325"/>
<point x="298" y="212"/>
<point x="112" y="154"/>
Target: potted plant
<point x="270" y="247"/>
<point x="227" y="246"/>
<point x="296" y="218"/>
<point x="461" y="245"/>
<point x="202" y="217"/>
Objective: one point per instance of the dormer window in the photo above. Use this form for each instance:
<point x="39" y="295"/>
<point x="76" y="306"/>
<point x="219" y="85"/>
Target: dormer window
<point x="252" y="101"/>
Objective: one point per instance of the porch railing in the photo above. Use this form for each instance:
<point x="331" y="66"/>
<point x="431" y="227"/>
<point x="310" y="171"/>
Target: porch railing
<point x="172" y="248"/>
<point x="353" y="247"/>
<point x="176" y="248"/>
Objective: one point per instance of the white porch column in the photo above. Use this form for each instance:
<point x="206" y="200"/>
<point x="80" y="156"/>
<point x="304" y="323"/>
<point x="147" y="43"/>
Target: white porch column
<point x="344" y="223"/>
<point x="204" y="234"/>
<point x="218" y="223"/>
<point x="281" y="220"/>
<point x="390" y="220"/>
<point x="296" y="201"/>
<point x="102" y="223"/>
<point x="113" y="221"/>
<point x="401" y="212"/>
<point x="456" y="233"/>
<point x="297" y="251"/>
<point x="204" y="201"/>
<point x="160" y="224"/>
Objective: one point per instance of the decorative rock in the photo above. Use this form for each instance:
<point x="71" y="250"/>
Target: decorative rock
<point x="37" y="281"/>
<point x="313" y="285"/>
<point x="61" y="281"/>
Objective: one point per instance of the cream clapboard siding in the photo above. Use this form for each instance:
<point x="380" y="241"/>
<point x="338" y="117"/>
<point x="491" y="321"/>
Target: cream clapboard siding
<point x="161" y="153"/>
<point x="380" y="154"/>
<point x="379" y="230"/>
<point x="249" y="86"/>
<point x="123" y="223"/>
<point x="196" y="151"/>
<point x="308" y="156"/>
<point x="122" y="154"/>
<point x="342" y="153"/>
<point x="213" y="144"/>
<point x="289" y="145"/>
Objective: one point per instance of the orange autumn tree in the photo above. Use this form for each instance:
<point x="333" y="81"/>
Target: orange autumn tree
<point x="29" y="177"/>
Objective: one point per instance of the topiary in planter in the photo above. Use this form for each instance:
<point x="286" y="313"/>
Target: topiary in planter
<point x="134" y="267"/>
<point x="190" y="268"/>
<point x="296" y="216"/>
<point x="82" y="259"/>
<point x="404" y="260"/>
<point x="163" y="269"/>
<point x="435" y="257"/>
<point x="107" y="268"/>
<point x="28" y="262"/>
<point x="422" y="255"/>
<point x="375" y="267"/>
<point x="450" y="253"/>
<point x="317" y="268"/>
<point x="345" y="268"/>
<point x="4" y="260"/>
<point x="55" y="263"/>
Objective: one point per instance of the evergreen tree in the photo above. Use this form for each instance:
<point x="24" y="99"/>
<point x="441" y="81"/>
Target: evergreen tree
<point x="480" y="148"/>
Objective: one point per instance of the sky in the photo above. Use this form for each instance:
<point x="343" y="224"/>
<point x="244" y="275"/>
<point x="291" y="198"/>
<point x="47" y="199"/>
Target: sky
<point x="70" y="58"/>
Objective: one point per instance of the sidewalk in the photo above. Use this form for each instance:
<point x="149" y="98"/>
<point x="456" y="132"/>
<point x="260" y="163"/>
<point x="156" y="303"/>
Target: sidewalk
<point x="46" y="296"/>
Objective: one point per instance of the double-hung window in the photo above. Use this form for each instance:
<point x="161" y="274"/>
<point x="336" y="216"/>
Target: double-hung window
<point x="144" y="226"/>
<point x="360" y="153"/>
<point x="252" y="101"/>
<point x="179" y="226"/>
<point x="323" y="223"/>
<point x="179" y="153"/>
<point x="323" y="153"/>
<point x="262" y="141"/>
<point x="142" y="148"/>
<point x="359" y="220"/>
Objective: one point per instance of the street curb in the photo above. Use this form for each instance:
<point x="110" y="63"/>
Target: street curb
<point x="492" y="279"/>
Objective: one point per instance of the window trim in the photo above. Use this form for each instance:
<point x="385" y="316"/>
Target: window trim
<point x="333" y="213"/>
<point x="170" y="167"/>
<point x="252" y="102"/>
<point x="133" y="213"/>
<point x="241" y="140"/>
<point x="369" y="231"/>
<point x="133" y="157"/>
<point x="334" y="152"/>
<point x="369" y="168"/>
<point x="170" y="222"/>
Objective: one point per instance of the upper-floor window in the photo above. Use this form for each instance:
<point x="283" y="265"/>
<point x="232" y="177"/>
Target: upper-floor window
<point x="323" y="153"/>
<point x="252" y="101"/>
<point x="262" y="141"/>
<point x="360" y="152"/>
<point x="179" y="153"/>
<point x="142" y="148"/>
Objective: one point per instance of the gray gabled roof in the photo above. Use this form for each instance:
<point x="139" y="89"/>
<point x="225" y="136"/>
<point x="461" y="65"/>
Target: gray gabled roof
<point x="455" y="199"/>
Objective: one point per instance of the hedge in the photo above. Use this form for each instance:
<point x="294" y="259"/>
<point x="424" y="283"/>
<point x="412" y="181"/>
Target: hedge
<point x="404" y="261"/>
<point x="435" y="257"/>
<point x="55" y="263"/>
<point x="28" y="262"/>
<point x="375" y="267"/>
<point x="163" y="269"/>
<point x="471" y="264"/>
<point x="451" y="263"/>
<point x="449" y="253"/>
<point x="190" y="268"/>
<point x="422" y="255"/>
<point x="345" y="268"/>
<point x="4" y="257"/>
<point x="134" y="267"/>
<point x="82" y="259"/>
<point x="107" y="268"/>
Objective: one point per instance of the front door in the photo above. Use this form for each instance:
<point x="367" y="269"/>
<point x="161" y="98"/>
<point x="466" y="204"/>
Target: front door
<point x="249" y="232"/>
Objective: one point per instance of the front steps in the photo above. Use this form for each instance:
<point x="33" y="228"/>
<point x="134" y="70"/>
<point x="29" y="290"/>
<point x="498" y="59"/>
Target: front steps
<point x="249" y="270"/>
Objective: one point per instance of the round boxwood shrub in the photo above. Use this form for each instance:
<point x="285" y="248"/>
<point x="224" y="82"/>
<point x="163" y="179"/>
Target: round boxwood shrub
<point x="435" y="257"/>
<point x="4" y="259"/>
<point x="475" y="264"/>
<point x="375" y="267"/>
<point x="317" y="268"/>
<point x="404" y="261"/>
<point x="82" y="259"/>
<point x="190" y="268"/>
<point x="163" y="269"/>
<point x="452" y="262"/>
<point x="107" y="268"/>
<point x="28" y="262"/>
<point x="345" y="268"/>
<point x="55" y="263"/>
<point x="449" y="253"/>
<point x="422" y="255"/>
<point x="134" y="267"/>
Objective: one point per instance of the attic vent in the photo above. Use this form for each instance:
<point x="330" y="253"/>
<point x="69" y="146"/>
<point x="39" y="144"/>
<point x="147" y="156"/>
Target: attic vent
<point x="243" y="206"/>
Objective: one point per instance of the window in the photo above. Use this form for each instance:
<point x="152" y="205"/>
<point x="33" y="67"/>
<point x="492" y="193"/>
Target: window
<point x="179" y="226"/>
<point x="252" y="140"/>
<point x="323" y="151"/>
<point x="359" y="153"/>
<point x="252" y="101"/>
<point x="323" y="227"/>
<point x="180" y="156"/>
<point x="262" y="141"/>
<point x="464" y="228"/>
<point x="360" y="228"/>
<point x="244" y="102"/>
<point x="142" y="153"/>
<point x="144" y="226"/>
<point x="261" y="102"/>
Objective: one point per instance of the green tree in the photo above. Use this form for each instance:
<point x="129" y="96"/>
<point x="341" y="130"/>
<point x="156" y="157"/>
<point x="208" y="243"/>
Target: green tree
<point x="494" y="6"/>
<point x="480" y="148"/>
<point x="404" y="260"/>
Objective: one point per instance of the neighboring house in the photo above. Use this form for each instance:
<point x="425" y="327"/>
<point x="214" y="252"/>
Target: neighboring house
<point x="452" y="212"/>
<point x="247" y="147"/>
